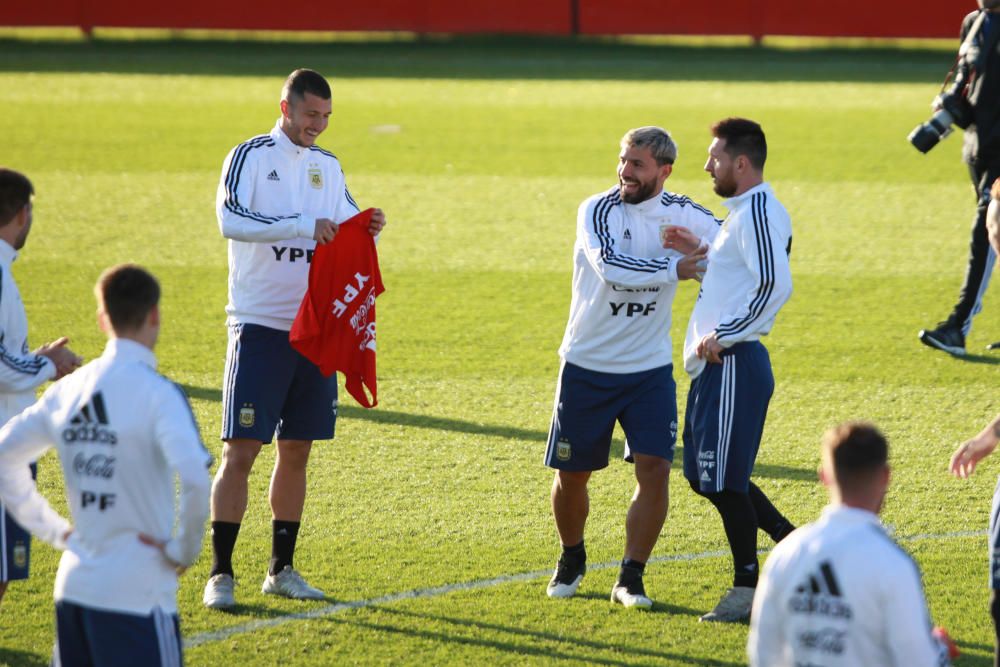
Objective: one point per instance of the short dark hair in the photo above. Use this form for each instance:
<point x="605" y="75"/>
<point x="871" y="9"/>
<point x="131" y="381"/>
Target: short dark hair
<point x="127" y="293"/>
<point x="15" y="193"/>
<point x="858" y="451"/>
<point x="303" y="81"/>
<point x="743" y="137"/>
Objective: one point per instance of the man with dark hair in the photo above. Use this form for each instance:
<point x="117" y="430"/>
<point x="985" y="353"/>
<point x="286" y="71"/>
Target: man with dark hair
<point x="747" y="282"/>
<point x="840" y="592"/>
<point x="21" y="371"/>
<point x="976" y="89"/>
<point x="617" y="355"/>
<point x="278" y="197"/>
<point x="123" y="434"/>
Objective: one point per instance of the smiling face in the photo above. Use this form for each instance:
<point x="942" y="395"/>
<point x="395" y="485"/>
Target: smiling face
<point x="639" y="175"/>
<point x="304" y="119"/>
<point x="721" y="166"/>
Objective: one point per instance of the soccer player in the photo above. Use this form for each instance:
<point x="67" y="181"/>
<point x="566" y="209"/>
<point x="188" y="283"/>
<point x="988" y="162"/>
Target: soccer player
<point x="616" y="354"/>
<point x="747" y="282"/>
<point x="840" y="592"/>
<point x="21" y="372"/>
<point x="279" y="196"/>
<point x="123" y="433"/>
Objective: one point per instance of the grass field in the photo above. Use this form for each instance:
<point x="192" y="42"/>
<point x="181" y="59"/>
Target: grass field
<point x="480" y="152"/>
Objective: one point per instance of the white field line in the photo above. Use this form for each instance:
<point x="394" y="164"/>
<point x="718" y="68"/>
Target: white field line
<point x="329" y="610"/>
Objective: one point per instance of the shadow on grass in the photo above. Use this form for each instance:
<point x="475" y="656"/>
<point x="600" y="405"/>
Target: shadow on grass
<point x="471" y="57"/>
<point x="657" y="608"/>
<point x="525" y="643"/>
<point x="16" y="658"/>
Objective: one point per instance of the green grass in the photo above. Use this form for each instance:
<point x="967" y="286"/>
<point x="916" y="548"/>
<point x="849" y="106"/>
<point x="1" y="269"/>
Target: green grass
<point x="497" y="143"/>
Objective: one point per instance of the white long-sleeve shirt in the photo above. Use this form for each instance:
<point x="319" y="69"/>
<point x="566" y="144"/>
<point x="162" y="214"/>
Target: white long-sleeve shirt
<point x="21" y="372"/>
<point x="748" y="278"/>
<point x="122" y="433"/>
<point x="270" y="195"/>
<point x="841" y="593"/>
<point x="624" y="280"/>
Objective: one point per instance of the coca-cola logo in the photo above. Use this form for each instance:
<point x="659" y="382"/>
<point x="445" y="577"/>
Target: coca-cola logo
<point x="97" y="465"/>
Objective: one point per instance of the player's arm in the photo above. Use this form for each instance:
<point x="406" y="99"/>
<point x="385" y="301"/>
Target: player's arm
<point x="598" y="227"/>
<point x="767" y="619"/>
<point x="970" y="453"/>
<point x="22" y="440"/>
<point x="176" y="434"/>
<point x="766" y="256"/>
<point x="239" y="222"/>
<point x="907" y="624"/>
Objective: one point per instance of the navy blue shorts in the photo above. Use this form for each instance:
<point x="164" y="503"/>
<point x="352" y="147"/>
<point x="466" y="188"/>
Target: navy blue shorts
<point x="588" y="403"/>
<point x="88" y="637"/>
<point x="15" y="544"/>
<point x="995" y="539"/>
<point x="726" y="409"/>
<point x="270" y="389"/>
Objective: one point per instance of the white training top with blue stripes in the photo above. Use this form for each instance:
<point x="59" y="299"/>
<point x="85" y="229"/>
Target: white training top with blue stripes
<point x="624" y="280"/>
<point x="748" y="278"/>
<point x="270" y="195"/>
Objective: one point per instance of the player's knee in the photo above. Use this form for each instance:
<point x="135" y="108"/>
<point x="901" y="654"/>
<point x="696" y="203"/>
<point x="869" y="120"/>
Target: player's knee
<point x="651" y="470"/>
<point x="293" y="453"/>
<point x="238" y="458"/>
<point x="571" y="480"/>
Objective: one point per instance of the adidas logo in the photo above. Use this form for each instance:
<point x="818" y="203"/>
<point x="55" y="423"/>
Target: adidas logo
<point x="825" y="583"/>
<point x="705" y="477"/>
<point x="627" y="235"/>
<point x="91" y="424"/>
<point x="273" y="176"/>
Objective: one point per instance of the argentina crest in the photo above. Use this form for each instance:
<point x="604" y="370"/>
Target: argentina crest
<point x="316" y="178"/>
<point x="247" y="415"/>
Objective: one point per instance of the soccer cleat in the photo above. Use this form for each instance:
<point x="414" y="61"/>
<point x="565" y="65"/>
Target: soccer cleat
<point x="945" y="337"/>
<point x="290" y="584"/>
<point x="631" y="593"/>
<point x="733" y="607"/>
<point x="219" y="592"/>
<point x="567" y="577"/>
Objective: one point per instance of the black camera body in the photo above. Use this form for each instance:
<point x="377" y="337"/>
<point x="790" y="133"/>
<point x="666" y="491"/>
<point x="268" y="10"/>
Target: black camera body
<point x="952" y="109"/>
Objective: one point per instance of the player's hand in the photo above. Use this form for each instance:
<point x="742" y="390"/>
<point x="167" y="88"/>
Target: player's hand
<point x="65" y="360"/>
<point x="161" y="545"/>
<point x="378" y="222"/>
<point x="326" y="229"/>
<point x="942" y="636"/>
<point x="710" y="349"/>
<point x="970" y="453"/>
<point x="692" y="266"/>
<point x="680" y="239"/>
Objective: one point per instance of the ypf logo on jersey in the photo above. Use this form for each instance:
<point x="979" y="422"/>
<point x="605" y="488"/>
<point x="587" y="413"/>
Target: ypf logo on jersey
<point x="247" y="415"/>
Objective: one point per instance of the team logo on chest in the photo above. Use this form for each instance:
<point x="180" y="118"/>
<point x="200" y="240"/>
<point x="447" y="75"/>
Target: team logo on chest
<point x="247" y="415"/>
<point x="315" y="177"/>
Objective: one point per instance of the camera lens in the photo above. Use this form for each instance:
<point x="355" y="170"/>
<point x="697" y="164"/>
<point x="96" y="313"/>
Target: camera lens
<point x="924" y="137"/>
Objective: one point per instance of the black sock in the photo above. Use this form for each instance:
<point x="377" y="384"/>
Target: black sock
<point x="576" y="552"/>
<point x="740" y="522"/>
<point x="770" y="520"/>
<point x="630" y="571"/>
<point x="223" y="542"/>
<point x="283" y="535"/>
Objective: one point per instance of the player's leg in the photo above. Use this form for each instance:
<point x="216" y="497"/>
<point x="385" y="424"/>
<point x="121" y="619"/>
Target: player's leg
<point x="115" y="639"/>
<point x="255" y="382"/>
<point x="309" y="414"/>
<point x="769" y="519"/>
<point x="650" y="424"/>
<point x="579" y="442"/>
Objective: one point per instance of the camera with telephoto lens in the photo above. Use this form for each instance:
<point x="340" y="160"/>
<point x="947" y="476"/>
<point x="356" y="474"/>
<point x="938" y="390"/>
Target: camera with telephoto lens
<point x="952" y="109"/>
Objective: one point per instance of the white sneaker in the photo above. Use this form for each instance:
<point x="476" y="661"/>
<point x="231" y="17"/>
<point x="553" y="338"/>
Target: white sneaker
<point x="290" y="584"/>
<point x="567" y="577"/>
<point x="733" y="607"/>
<point x="219" y="592"/>
<point x="631" y="595"/>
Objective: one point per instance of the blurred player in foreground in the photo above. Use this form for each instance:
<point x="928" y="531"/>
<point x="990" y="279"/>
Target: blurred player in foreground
<point x="123" y="433"/>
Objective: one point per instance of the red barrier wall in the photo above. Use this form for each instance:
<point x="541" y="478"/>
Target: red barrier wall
<point x="846" y="18"/>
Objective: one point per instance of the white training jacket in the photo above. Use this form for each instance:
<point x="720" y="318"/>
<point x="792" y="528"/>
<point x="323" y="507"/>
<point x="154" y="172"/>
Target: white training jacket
<point x="20" y="371"/>
<point x="841" y="593"/>
<point x="122" y="432"/>
<point x="270" y="195"/>
<point x="748" y="278"/>
<point x="624" y="280"/>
